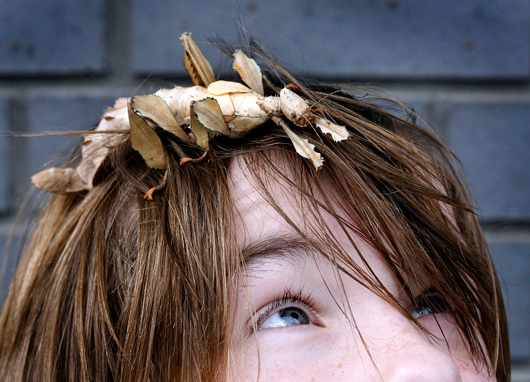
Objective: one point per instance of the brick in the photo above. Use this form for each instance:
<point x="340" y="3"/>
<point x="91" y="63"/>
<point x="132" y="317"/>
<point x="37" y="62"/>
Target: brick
<point x="48" y="113"/>
<point x="52" y="37"/>
<point x="513" y="263"/>
<point x="492" y="141"/>
<point x="5" y="178"/>
<point x="386" y="39"/>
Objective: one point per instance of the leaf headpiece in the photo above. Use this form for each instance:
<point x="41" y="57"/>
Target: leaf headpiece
<point x="194" y="115"/>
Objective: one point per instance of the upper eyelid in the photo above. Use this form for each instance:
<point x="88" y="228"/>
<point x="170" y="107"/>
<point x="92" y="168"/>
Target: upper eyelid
<point x="410" y="304"/>
<point x="416" y="292"/>
<point x="424" y="297"/>
<point x="427" y="293"/>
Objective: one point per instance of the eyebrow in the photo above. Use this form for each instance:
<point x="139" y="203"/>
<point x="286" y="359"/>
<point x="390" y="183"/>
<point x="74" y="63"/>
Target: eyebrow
<point x="287" y="246"/>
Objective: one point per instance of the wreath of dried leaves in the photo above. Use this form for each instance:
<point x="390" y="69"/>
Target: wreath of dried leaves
<point x="193" y="114"/>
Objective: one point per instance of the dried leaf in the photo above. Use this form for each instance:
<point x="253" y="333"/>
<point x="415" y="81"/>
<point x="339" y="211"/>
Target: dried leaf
<point x="154" y="108"/>
<point x="198" y="67"/>
<point x="145" y="140"/>
<point x="192" y="71"/>
<point x="249" y="71"/>
<point x="210" y="116"/>
<point x="302" y="146"/>
<point x="225" y="87"/>
<point x="226" y="105"/>
<point x="120" y="102"/>
<point x="200" y="132"/>
<point x="59" y="180"/>
<point x="338" y="133"/>
<point x="114" y="119"/>
<point x="295" y="108"/>
<point x="96" y="147"/>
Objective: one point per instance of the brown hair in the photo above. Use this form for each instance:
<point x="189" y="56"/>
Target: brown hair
<point x="114" y="287"/>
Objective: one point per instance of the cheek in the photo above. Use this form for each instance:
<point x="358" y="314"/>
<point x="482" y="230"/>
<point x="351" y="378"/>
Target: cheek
<point x="295" y="354"/>
<point x="456" y="347"/>
<point x="336" y="354"/>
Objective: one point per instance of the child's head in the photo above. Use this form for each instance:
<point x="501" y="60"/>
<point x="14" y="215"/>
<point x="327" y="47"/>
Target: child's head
<point x="252" y="263"/>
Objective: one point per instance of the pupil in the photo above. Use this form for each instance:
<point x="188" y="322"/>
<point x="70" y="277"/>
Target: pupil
<point x="294" y="316"/>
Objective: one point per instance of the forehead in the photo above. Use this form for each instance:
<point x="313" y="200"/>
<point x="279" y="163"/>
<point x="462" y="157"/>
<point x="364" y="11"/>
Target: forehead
<point x="266" y="232"/>
<point x="283" y="244"/>
<point x="277" y="215"/>
<point x="256" y="216"/>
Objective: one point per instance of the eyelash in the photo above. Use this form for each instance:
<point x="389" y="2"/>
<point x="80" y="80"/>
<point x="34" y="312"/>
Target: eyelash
<point x="430" y="300"/>
<point x="287" y="298"/>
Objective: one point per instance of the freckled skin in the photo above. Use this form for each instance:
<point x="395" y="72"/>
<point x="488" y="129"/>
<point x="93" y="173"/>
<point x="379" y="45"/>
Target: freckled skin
<point x="332" y="349"/>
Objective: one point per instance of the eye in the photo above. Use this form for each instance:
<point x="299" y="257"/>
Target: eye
<point x="429" y="303"/>
<point x="288" y="310"/>
<point x="286" y="317"/>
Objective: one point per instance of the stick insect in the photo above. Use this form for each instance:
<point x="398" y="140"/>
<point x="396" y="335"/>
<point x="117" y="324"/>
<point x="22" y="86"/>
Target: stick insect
<point x="195" y="115"/>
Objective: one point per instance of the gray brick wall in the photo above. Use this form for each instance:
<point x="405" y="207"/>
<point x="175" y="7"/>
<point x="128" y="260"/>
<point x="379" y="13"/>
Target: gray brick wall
<point x="441" y="39"/>
<point x="5" y="177"/>
<point x="464" y="65"/>
<point x="513" y="259"/>
<point x="492" y="140"/>
<point x="60" y="37"/>
<point x="10" y="246"/>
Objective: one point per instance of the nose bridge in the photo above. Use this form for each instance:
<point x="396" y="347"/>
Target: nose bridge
<point x="406" y="354"/>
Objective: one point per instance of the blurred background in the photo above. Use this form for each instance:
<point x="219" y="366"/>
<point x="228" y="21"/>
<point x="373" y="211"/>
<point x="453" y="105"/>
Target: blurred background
<point x="463" y="65"/>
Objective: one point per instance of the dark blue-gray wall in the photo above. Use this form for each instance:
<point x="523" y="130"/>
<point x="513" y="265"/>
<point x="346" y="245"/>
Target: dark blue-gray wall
<point x="463" y="64"/>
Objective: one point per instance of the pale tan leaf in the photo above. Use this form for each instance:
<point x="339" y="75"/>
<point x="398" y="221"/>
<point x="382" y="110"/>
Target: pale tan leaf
<point x="50" y="180"/>
<point x="226" y="87"/>
<point x="145" y="140"/>
<point x="114" y="119"/>
<point x="96" y="147"/>
<point x="302" y="146"/>
<point x="192" y="70"/>
<point x="75" y="183"/>
<point x="249" y="71"/>
<point x="94" y="150"/>
<point x="120" y="102"/>
<point x="226" y="105"/>
<point x="154" y="108"/>
<point x="210" y="116"/>
<point x="338" y="133"/>
<point x="197" y="64"/>
<point x="59" y="180"/>
<point x="201" y="134"/>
